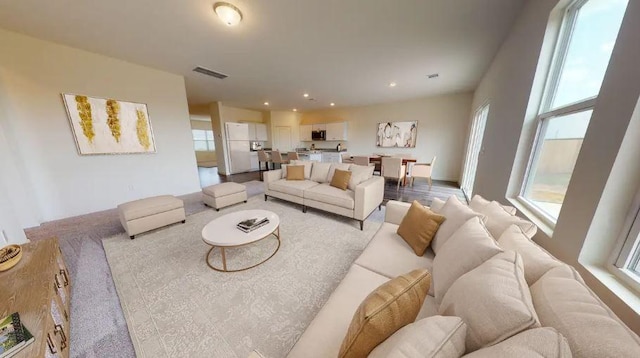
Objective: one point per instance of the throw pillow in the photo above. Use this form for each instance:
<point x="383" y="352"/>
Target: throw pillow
<point x="436" y="205"/>
<point x="419" y="226"/>
<point x="340" y="179"/>
<point x="499" y="220"/>
<point x="493" y="300"/>
<point x="320" y="172"/>
<point x="468" y="247"/>
<point x="388" y="308"/>
<point x="295" y="172"/>
<point x="478" y="202"/>
<point x="434" y="337"/>
<point x="537" y="342"/>
<point x="536" y="260"/>
<point x="457" y="214"/>
<point x="307" y="167"/>
<point x="359" y="174"/>
<point x="334" y="166"/>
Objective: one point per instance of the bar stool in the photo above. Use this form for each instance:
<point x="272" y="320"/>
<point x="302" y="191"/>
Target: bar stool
<point x="263" y="157"/>
<point x="276" y="158"/>
<point x="292" y="156"/>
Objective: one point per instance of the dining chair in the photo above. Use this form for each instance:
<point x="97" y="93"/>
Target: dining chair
<point x="392" y="168"/>
<point x="362" y="160"/>
<point x="276" y="158"/>
<point x="292" y="156"/>
<point x="263" y="157"/>
<point x="346" y="158"/>
<point x="423" y="170"/>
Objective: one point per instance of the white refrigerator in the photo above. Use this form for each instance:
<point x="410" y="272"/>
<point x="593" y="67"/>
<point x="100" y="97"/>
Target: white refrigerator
<point x="238" y="147"/>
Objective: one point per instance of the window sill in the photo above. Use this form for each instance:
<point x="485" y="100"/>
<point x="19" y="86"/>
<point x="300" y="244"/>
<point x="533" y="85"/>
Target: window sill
<point x="533" y="215"/>
<point x="616" y="284"/>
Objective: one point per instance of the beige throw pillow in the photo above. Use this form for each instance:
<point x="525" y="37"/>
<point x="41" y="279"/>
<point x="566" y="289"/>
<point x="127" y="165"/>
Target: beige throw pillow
<point x="457" y="214"/>
<point x="468" y="247"/>
<point x="538" y="342"/>
<point x="493" y="300"/>
<point x="334" y="166"/>
<point x="437" y="205"/>
<point x="478" y="203"/>
<point x="419" y="226"/>
<point x="295" y="172"/>
<point x="319" y="172"/>
<point x="433" y="337"/>
<point x="359" y="174"/>
<point x="340" y="179"/>
<point x="499" y="220"/>
<point x="390" y="307"/>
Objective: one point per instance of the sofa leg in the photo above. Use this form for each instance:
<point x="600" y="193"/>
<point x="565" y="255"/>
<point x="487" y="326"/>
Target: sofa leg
<point x="380" y="207"/>
<point x="304" y="209"/>
<point x="184" y="221"/>
<point x="205" y="204"/>
<point x="245" y="201"/>
<point x="265" y="197"/>
<point x="132" y="237"/>
<point x="217" y="209"/>
<point x="361" y="225"/>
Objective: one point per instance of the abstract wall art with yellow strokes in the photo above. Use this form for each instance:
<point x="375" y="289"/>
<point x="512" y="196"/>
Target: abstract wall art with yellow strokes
<point x="109" y="126"/>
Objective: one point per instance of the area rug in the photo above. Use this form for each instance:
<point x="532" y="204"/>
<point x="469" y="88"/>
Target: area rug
<point x="176" y="306"/>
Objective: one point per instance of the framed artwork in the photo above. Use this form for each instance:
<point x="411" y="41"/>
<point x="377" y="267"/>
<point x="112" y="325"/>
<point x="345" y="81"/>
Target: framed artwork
<point x="109" y="126"/>
<point x="397" y="134"/>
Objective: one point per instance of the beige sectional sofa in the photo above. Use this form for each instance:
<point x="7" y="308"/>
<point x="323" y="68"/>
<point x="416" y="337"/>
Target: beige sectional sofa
<point x="364" y="194"/>
<point x="555" y="313"/>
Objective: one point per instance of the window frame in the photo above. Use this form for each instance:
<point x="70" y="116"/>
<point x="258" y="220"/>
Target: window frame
<point x="628" y="251"/>
<point x="211" y="145"/>
<point x="545" y="110"/>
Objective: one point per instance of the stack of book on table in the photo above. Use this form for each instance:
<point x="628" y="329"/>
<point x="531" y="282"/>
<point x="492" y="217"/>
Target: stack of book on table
<point x="13" y="336"/>
<point x="252" y="224"/>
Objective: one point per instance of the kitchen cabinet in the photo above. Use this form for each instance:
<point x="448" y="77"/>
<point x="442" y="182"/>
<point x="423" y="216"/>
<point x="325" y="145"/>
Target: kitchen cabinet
<point x="331" y="157"/>
<point x="257" y="131"/>
<point x="319" y="127"/>
<point x="255" y="165"/>
<point x="305" y="132"/>
<point x="336" y="131"/>
<point x="315" y="156"/>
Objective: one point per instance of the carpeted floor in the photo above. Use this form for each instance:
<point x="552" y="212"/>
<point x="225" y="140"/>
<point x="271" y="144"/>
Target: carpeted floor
<point x="98" y="327"/>
<point x="176" y="306"/>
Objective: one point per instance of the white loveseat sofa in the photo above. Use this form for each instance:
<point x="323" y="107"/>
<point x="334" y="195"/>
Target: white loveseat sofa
<point x="562" y="301"/>
<point x="364" y="194"/>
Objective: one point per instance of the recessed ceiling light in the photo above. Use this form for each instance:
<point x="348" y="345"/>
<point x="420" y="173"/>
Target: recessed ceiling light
<point x="295" y="110"/>
<point x="392" y="84"/>
<point x="306" y="95"/>
<point x="332" y="104"/>
<point x="433" y="75"/>
<point x="266" y="103"/>
<point x="228" y="13"/>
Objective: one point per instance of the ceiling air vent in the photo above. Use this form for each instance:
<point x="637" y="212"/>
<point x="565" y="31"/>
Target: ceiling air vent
<point x="208" y="72"/>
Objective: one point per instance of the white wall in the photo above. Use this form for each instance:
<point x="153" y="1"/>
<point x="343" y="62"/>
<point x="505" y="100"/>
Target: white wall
<point x="62" y="183"/>
<point x="442" y="129"/>
<point x="512" y="87"/>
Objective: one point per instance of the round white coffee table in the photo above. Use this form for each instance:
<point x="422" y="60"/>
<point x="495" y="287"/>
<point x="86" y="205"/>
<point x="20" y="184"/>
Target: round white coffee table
<point x="223" y="233"/>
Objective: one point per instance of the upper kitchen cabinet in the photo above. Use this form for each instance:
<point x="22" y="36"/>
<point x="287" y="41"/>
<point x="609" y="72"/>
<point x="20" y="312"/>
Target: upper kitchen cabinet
<point x="305" y="132"/>
<point x="319" y="127"/>
<point x="336" y="131"/>
<point x="257" y="131"/>
<point x="237" y="131"/>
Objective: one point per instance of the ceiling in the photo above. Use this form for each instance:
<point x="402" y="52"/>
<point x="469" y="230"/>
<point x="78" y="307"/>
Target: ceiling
<point x="345" y="52"/>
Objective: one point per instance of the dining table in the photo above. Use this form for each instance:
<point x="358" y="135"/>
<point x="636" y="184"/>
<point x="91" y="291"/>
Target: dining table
<point x="377" y="159"/>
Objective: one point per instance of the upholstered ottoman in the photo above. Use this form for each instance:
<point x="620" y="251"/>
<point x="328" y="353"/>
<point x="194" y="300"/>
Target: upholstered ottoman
<point x="150" y="213"/>
<point x="220" y="195"/>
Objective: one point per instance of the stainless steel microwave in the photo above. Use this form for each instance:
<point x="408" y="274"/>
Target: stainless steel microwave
<point x="319" y="135"/>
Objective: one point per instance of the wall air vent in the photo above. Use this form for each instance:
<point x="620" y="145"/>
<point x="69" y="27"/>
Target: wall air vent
<point x="208" y="72"/>
<point x="433" y="75"/>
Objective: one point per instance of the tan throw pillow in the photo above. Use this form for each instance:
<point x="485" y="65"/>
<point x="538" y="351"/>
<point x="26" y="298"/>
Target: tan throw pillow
<point x="434" y="337"/>
<point x="340" y="179"/>
<point x="419" y="226"/>
<point x="295" y="172"/>
<point x="493" y="300"/>
<point x="308" y="164"/>
<point x="390" y="307"/>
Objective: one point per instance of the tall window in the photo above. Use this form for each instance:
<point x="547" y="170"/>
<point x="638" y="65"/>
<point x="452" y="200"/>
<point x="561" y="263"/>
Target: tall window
<point x="583" y="50"/>
<point x="629" y="258"/>
<point x="473" y="149"/>
<point x="203" y="140"/>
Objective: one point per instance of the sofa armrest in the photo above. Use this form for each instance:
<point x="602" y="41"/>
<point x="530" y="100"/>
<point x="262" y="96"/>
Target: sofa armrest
<point x="269" y="176"/>
<point x="369" y="194"/>
<point x="395" y="211"/>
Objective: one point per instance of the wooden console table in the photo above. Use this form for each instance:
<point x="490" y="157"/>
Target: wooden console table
<point x="38" y="288"/>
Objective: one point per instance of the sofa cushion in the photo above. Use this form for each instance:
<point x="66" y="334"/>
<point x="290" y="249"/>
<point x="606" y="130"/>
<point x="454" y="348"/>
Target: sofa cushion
<point x="456" y="215"/>
<point x="320" y="172"/>
<point x="325" y="193"/>
<point x="292" y="187"/>
<point x="419" y="226"/>
<point x="308" y="164"/>
<point x="340" y="179"/>
<point x="535" y="259"/>
<point x="359" y="174"/>
<point x="564" y="302"/>
<point x="478" y="203"/>
<point x="323" y="336"/>
<point x="498" y="220"/>
<point x="149" y="206"/>
<point x="334" y="166"/>
<point x="533" y="343"/>
<point x="295" y="172"/>
<point x="468" y="247"/>
<point x="224" y="189"/>
<point x="493" y="300"/>
<point x="436" y="337"/>
<point x="388" y="255"/>
<point x="437" y="205"/>
<point x="388" y="308"/>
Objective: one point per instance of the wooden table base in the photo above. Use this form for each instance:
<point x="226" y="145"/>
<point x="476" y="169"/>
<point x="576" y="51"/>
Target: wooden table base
<point x="276" y="233"/>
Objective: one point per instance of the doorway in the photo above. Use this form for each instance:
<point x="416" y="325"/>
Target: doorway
<point x="282" y="140"/>
<point x="474" y="148"/>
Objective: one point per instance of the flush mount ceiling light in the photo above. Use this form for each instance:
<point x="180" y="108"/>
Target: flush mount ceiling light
<point x="392" y="84"/>
<point x="305" y="95"/>
<point x="295" y="110"/>
<point x="266" y="103"/>
<point x="228" y="13"/>
<point x="332" y="104"/>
